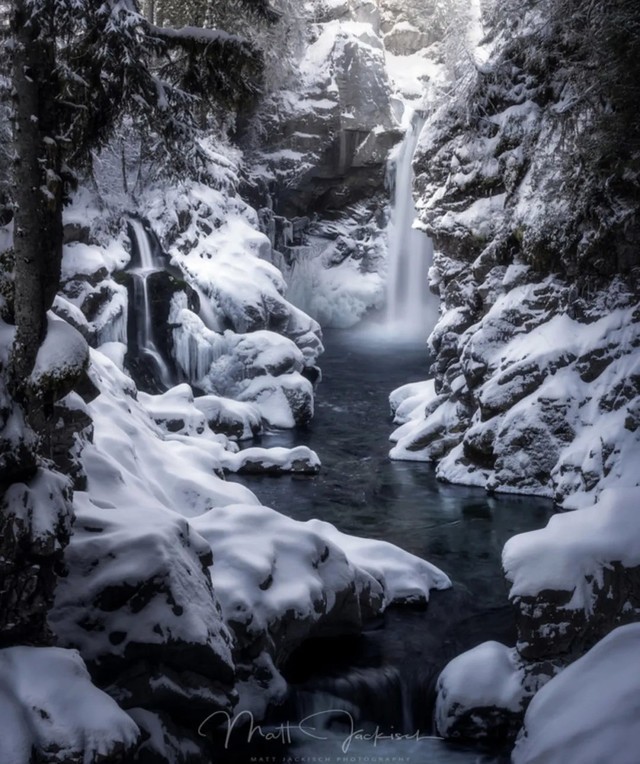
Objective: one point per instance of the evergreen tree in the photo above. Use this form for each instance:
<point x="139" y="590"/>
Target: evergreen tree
<point x="78" y="67"/>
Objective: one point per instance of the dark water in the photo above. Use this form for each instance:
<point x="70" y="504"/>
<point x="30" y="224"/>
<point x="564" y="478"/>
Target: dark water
<point x="386" y="677"/>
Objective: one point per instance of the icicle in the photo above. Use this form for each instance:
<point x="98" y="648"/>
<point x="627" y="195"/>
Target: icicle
<point x="195" y="347"/>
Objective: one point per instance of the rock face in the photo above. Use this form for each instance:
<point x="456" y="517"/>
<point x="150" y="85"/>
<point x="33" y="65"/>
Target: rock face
<point x="536" y="352"/>
<point x="328" y="138"/>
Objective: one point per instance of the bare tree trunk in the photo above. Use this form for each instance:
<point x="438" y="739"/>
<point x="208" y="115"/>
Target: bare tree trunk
<point x="38" y="186"/>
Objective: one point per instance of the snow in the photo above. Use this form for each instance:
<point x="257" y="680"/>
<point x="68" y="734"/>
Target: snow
<point x="276" y="459"/>
<point x="245" y="417"/>
<point x="486" y="676"/>
<point x="135" y="572"/>
<point x="132" y="461"/>
<point x="403" y="577"/>
<point x="590" y="711"/>
<point x="408" y="401"/>
<point x="571" y="553"/>
<point x="268" y="567"/>
<point x="335" y="295"/>
<point x="62" y="354"/>
<point x="39" y="505"/>
<point x="48" y="703"/>
<point x="81" y="260"/>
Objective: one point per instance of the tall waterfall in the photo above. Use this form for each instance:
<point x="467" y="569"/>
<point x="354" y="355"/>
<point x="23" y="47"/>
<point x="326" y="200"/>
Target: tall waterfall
<point x="411" y="308"/>
<point x="145" y="341"/>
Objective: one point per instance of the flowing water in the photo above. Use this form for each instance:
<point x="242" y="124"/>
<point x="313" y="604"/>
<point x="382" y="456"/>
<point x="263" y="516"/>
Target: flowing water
<point x="410" y="306"/>
<point x="148" y="264"/>
<point x="386" y="677"/>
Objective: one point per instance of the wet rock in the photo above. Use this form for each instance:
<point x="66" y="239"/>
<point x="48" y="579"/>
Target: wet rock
<point x="76" y="232"/>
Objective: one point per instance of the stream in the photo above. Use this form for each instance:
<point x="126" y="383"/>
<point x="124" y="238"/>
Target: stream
<point x="384" y="680"/>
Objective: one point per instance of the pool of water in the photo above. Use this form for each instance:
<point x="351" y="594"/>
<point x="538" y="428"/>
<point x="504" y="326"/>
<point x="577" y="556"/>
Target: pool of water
<point x="385" y="679"/>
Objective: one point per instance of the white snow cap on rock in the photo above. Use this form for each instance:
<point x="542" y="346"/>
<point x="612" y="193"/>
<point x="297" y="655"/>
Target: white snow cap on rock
<point x="575" y="547"/>
<point x="590" y="713"/>
<point x="488" y="676"/>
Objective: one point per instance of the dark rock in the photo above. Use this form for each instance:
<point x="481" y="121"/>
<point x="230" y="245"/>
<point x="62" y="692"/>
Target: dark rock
<point x="548" y="628"/>
<point x="76" y="232"/>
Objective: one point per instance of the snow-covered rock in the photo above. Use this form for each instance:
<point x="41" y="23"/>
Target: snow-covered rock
<point x="536" y="351"/>
<point x="273" y="461"/>
<point x="281" y="581"/>
<point x="138" y="605"/>
<point x="589" y="713"/>
<point x="52" y="711"/>
<point x="572" y="584"/>
<point x="480" y="695"/>
<point x="577" y="579"/>
<point x="61" y="360"/>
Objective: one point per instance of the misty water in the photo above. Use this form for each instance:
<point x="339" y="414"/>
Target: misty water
<point x="386" y="677"/>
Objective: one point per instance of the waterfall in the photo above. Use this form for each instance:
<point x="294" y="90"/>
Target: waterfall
<point x="411" y="309"/>
<point x="145" y="341"/>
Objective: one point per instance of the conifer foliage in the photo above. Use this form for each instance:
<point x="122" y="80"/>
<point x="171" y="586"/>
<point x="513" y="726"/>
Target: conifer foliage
<point x="78" y="68"/>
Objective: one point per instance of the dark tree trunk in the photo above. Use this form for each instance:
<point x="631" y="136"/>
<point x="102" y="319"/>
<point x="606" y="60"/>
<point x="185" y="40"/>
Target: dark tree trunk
<point x="38" y="186"/>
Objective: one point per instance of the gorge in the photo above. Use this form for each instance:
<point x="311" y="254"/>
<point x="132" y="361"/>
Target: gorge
<point x="280" y="220"/>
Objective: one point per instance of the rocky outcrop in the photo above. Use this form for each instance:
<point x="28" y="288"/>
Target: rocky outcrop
<point x="538" y="327"/>
<point x="536" y="351"/>
<point x="138" y="605"/>
<point x="329" y="136"/>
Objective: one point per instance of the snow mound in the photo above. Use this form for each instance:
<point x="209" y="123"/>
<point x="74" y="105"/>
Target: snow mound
<point x="404" y="578"/>
<point x="133" y="461"/>
<point x="61" y="358"/>
<point x="477" y="688"/>
<point x="589" y="712"/>
<point x="51" y="709"/>
<point x="273" y="461"/>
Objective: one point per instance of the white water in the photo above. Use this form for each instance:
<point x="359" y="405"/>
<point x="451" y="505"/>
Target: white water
<point x="144" y="322"/>
<point x="411" y="308"/>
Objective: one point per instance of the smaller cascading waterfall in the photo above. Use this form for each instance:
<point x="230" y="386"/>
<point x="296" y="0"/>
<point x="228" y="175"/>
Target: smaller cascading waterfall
<point x="411" y="309"/>
<point x="144" y="321"/>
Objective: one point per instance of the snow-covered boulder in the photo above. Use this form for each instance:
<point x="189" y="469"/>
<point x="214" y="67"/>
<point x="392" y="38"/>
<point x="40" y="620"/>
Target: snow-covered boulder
<point x="577" y="579"/>
<point x="260" y="368"/>
<point x="90" y="297"/>
<point x="51" y="712"/>
<point x="281" y="581"/>
<point x="589" y="713"/>
<point x="573" y="584"/>
<point x="235" y="419"/>
<point x="273" y="461"/>
<point x="35" y="524"/>
<point x="480" y="695"/>
<point x="61" y="361"/>
<point x="138" y="604"/>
